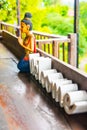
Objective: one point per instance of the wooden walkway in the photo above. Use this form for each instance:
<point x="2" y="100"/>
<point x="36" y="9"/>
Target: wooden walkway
<point x="24" y="105"/>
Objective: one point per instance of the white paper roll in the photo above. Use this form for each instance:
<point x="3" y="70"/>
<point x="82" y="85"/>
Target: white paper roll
<point x="31" y="56"/>
<point x="71" y="97"/>
<point x="51" y="77"/>
<point x="55" y="91"/>
<point x="64" y="89"/>
<point x="50" y="89"/>
<point x="45" y="74"/>
<point x="34" y="63"/>
<point x="36" y="69"/>
<point x="53" y="86"/>
<point x="44" y="65"/>
<point x="41" y="63"/>
<point x="78" y="107"/>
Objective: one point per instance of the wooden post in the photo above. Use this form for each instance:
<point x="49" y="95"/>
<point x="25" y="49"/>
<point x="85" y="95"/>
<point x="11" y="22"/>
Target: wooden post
<point x="55" y="49"/>
<point x="40" y="45"/>
<point x="1" y="26"/>
<point x="18" y="11"/>
<point x="73" y="49"/>
<point x="76" y="25"/>
<point x="18" y="16"/>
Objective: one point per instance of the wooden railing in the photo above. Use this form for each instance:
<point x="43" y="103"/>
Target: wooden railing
<point x="62" y="47"/>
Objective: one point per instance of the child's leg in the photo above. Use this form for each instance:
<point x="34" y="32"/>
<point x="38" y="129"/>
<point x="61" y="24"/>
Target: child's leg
<point x="24" y="65"/>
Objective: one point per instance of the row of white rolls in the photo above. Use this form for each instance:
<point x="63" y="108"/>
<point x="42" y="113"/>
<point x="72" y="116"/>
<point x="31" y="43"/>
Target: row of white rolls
<point x="63" y="90"/>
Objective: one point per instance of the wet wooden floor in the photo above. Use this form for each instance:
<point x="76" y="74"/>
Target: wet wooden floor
<point x="25" y="106"/>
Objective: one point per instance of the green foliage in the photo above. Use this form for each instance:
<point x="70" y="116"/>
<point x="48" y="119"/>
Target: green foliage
<point x="56" y="22"/>
<point x="38" y="19"/>
<point x="50" y="20"/>
<point x="50" y="2"/>
<point x="63" y="10"/>
<point x="29" y="6"/>
<point x="82" y="39"/>
<point x="3" y="4"/>
<point x="8" y="9"/>
<point x="83" y="29"/>
<point x="3" y="9"/>
<point x="83" y="13"/>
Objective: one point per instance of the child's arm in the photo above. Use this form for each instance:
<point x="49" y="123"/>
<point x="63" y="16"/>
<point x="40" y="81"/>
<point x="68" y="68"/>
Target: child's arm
<point x="32" y="42"/>
<point x="20" y="40"/>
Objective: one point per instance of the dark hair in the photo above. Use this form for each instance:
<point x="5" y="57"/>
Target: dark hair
<point x="27" y="22"/>
<point x="27" y="15"/>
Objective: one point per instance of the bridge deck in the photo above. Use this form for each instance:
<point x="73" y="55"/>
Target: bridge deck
<point x="25" y="106"/>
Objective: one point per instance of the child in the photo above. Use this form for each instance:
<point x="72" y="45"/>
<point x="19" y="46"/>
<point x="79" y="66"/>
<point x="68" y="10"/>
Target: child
<point x="28" y="43"/>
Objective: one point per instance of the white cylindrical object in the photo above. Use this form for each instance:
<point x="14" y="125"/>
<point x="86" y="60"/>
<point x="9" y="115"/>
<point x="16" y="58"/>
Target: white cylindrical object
<point x="71" y="97"/>
<point x="44" y="65"/>
<point x="50" y="77"/>
<point x="53" y="86"/>
<point x="36" y="71"/>
<point x="78" y="107"/>
<point x="45" y="77"/>
<point x="55" y="92"/>
<point x="34" y="63"/>
<point x="64" y="89"/>
<point x="50" y="88"/>
<point x="44" y="73"/>
<point x="41" y="64"/>
<point x="31" y="56"/>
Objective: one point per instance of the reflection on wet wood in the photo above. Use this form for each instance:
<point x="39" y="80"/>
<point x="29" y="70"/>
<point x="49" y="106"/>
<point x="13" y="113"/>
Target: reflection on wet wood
<point x="23" y="103"/>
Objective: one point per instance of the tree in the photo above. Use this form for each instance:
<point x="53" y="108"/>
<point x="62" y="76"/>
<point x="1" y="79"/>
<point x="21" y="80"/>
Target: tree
<point x="51" y="2"/>
<point x="8" y="9"/>
<point x="3" y="4"/>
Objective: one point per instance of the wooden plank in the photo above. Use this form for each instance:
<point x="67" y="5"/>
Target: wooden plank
<point x="11" y="42"/>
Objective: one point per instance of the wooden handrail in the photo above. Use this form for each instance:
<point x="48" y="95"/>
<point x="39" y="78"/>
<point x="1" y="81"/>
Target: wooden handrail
<point x="53" y="39"/>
